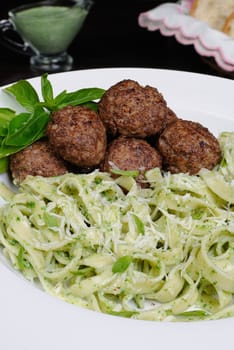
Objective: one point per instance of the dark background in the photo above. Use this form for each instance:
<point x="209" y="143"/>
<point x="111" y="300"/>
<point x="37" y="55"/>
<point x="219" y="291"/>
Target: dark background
<point x="111" y="37"/>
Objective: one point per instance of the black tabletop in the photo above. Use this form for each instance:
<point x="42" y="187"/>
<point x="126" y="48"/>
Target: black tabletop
<point x="111" y="37"/>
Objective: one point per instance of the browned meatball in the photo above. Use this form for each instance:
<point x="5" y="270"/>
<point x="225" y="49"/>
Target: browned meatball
<point x="37" y="159"/>
<point x="78" y="135"/>
<point x="129" y="109"/>
<point x="186" y="147"/>
<point x="128" y="153"/>
<point x="170" y="118"/>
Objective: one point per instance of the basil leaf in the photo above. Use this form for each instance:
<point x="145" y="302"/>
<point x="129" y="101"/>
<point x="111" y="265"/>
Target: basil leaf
<point x="122" y="264"/>
<point x="51" y="105"/>
<point x="20" y="258"/>
<point x="15" y="128"/>
<point x="126" y="314"/>
<point x="25" y="94"/>
<point x="3" y="164"/>
<point x="25" y="128"/>
<point x="91" y="105"/>
<point x="3" y="131"/>
<point x="139" y="224"/>
<point x="46" y="88"/>
<point x="132" y="173"/>
<point x="79" y="97"/>
<point x="6" y="151"/>
<point x="59" y="98"/>
<point x="195" y="313"/>
<point x="6" y="114"/>
<point x="223" y="163"/>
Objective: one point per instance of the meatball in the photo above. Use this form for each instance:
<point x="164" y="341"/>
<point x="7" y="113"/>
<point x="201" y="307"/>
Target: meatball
<point x="129" y="109"/>
<point x="128" y="153"/>
<point x="170" y="118"/>
<point x="78" y="136"/>
<point x="186" y="147"/>
<point x="37" y="159"/>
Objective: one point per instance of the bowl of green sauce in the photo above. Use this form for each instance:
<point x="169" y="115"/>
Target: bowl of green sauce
<point x="47" y="28"/>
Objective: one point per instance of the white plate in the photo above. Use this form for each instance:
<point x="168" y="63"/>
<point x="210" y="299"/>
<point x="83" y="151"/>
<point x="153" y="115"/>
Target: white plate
<point x="30" y="319"/>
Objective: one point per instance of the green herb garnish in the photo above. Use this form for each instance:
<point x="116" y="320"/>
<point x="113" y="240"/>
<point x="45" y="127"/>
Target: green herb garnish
<point x="18" y="131"/>
<point x="122" y="264"/>
<point x="132" y="173"/>
<point x="139" y="224"/>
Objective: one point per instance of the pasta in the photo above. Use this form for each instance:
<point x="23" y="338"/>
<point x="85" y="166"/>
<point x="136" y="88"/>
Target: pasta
<point x="160" y="253"/>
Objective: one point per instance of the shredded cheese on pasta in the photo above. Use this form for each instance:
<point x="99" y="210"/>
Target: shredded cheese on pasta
<point x="160" y="253"/>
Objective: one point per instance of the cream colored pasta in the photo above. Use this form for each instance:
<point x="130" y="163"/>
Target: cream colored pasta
<point x="160" y="253"/>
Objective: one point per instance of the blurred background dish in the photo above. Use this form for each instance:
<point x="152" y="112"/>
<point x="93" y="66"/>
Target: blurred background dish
<point x="112" y="37"/>
<point x="191" y="25"/>
<point x="216" y="13"/>
<point x="47" y="28"/>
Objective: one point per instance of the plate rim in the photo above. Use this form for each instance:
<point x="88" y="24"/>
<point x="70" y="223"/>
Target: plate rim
<point x="36" y="300"/>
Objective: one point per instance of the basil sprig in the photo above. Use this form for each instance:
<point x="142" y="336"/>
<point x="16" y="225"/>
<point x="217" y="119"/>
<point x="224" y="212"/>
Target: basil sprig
<point x="18" y="131"/>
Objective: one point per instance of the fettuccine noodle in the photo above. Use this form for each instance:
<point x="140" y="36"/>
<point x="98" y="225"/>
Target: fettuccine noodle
<point x="160" y="253"/>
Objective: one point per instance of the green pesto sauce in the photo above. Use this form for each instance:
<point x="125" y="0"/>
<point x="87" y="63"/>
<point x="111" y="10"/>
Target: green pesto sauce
<point x="49" y="29"/>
